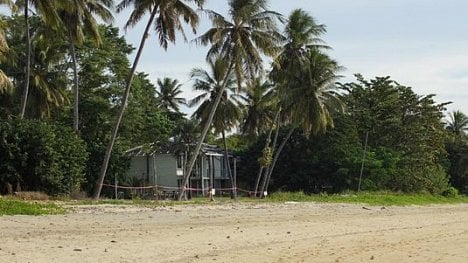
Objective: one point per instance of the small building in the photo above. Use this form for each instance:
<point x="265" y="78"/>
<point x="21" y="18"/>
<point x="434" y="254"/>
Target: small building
<point x="163" y="168"/>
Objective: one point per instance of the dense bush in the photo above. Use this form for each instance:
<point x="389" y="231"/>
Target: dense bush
<point x="36" y="156"/>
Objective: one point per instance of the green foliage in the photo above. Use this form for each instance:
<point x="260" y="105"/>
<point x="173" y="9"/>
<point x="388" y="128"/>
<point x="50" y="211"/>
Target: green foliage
<point x="267" y="157"/>
<point x="17" y="207"/>
<point x="407" y="126"/>
<point x="40" y="157"/>
<point x="450" y="192"/>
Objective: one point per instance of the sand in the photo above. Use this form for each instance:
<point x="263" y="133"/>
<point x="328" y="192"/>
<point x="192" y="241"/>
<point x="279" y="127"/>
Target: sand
<point x="288" y="232"/>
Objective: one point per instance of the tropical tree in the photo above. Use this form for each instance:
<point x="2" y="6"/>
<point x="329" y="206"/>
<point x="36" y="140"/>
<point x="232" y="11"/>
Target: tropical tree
<point x="47" y="81"/>
<point x="260" y="104"/>
<point x="305" y="77"/>
<point x="79" y="22"/>
<point x="457" y="149"/>
<point x="46" y="9"/>
<point x="229" y="112"/>
<point x="240" y="39"/>
<point x="166" y="16"/>
<point x="309" y="101"/>
<point x="5" y="83"/>
<point x="407" y="125"/>
<point x="167" y="96"/>
<point x="458" y="124"/>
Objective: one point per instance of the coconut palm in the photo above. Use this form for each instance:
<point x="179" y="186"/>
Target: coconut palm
<point x="260" y="101"/>
<point x="79" y="22"/>
<point x="165" y="16"/>
<point x="5" y="84"/>
<point x="305" y="77"/>
<point x="240" y="39"/>
<point x="168" y="100"/>
<point x="309" y="98"/>
<point x="46" y="9"/>
<point x="210" y="84"/>
<point x="47" y="88"/>
<point x="229" y="111"/>
<point x="458" y="124"/>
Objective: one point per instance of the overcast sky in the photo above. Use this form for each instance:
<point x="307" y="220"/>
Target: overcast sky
<point x="419" y="43"/>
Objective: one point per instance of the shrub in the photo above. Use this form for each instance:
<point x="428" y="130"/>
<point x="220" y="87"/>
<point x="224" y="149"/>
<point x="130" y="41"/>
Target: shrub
<point x="36" y="156"/>
<point x="450" y="192"/>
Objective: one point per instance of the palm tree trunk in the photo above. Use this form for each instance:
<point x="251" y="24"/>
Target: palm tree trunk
<point x="228" y="167"/>
<point x="265" y="171"/>
<point x="75" y="84"/>
<point x="24" y="97"/>
<point x="275" y="159"/>
<point x="105" y="162"/>
<point x="267" y="143"/>
<point x="204" y="132"/>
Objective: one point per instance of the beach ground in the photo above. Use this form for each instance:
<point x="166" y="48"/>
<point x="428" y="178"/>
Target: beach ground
<point x="240" y="232"/>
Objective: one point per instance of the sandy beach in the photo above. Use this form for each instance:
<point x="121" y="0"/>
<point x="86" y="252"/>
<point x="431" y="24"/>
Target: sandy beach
<point x="240" y="232"/>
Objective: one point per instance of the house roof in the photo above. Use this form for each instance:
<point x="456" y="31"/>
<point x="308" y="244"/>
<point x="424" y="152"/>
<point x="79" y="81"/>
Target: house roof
<point x="171" y="148"/>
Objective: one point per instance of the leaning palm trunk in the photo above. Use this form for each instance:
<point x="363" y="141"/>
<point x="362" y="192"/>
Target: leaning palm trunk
<point x="115" y="129"/>
<point x="193" y="158"/>
<point x="267" y="143"/>
<point x="75" y="84"/>
<point x="275" y="159"/>
<point x="228" y="166"/>
<point x="24" y="98"/>
<point x="267" y="168"/>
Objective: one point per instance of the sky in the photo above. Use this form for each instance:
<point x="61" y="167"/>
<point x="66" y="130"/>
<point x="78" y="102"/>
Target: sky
<point x="418" y="43"/>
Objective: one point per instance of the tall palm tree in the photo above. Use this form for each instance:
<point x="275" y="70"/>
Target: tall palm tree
<point x="79" y="22"/>
<point x="46" y="9"/>
<point x="168" y="100"/>
<point x="166" y="16"/>
<point x="306" y="78"/>
<point x="240" y="39"/>
<point x="47" y="88"/>
<point x="48" y="78"/>
<point x="229" y="112"/>
<point x="458" y="124"/>
<point x="309" y="100"/>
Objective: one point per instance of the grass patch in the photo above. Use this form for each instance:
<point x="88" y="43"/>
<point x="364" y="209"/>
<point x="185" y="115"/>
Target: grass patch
<point x="370" y="198"/>
<point x="19" y="207"/>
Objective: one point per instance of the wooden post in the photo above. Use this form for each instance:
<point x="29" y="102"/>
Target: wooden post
<point x="212" y="175"/>
<point x="115" y="186"/>
<point x="235" y="177"/>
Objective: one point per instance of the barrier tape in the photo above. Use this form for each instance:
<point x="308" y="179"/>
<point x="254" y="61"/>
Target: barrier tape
<point x="249" y="192"/>
<point x="169" y="187"/>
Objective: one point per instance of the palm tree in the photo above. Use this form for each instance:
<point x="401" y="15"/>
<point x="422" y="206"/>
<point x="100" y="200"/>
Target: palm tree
<point x="168" y="100"/>
<point x="78" y="18"/>
<point x="309" y="100"/>
<point x="458" y="125"/>
<point x="241" y="39"/>
<point x="229" y="112"/>
<point x="166" y="16"/>
<point x="306" y="78"/>
<point x="46" y="9"/>
<point x="260" y="101"/>
<point x="47" y="81"/>
<point x="5" y="84"/>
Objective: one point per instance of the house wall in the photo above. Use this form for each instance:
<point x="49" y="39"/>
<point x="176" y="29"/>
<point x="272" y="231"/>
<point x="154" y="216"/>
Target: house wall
<point x="137" y="168"/>
<point x="166" y="170"/>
